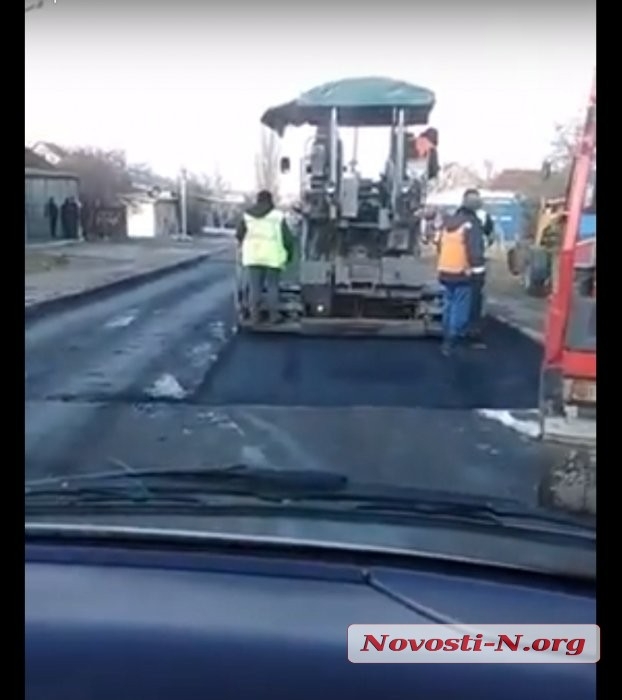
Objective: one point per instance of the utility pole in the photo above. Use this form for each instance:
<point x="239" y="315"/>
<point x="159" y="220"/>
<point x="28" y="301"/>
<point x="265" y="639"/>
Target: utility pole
<point x="184" y="203"/>
<point x="355" y="150"/>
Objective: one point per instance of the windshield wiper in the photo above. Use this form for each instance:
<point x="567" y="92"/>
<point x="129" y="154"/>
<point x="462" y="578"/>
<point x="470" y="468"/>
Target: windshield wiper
<point x="184" y="485"/>
<point x="518" y="517"/>
<point x="295" y="490"/>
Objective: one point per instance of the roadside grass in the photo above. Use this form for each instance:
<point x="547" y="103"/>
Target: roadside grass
<point x="39" y="261"/>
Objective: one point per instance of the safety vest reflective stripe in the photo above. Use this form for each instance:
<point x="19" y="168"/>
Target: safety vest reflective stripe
<point x="452" y="254"/>
<point x="263" y="242"/>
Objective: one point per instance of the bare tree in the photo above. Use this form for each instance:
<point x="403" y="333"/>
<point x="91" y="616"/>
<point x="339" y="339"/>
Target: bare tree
<point x="454" y="175"/>
<point x="103" y="174"/>
<point x="559" y="159"/>
<point x="489" y="170"/>
<point x="34" y="5"/>
<point x="216" y="183"/>
<point x="197" y="189"/>
<point x="267" y="162"/>
<point x="563" y="144"/>
<point x="205" y="200"/>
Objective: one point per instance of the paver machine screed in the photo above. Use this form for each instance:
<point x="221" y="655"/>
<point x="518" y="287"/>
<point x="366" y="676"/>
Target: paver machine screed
<point x="357" y="267"/>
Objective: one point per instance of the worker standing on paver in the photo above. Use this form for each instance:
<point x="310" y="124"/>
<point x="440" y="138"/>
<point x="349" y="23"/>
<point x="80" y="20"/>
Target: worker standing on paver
<point x="472" y="210"/>
<point x="458" y="253"/>
<point x="267" y="247"/>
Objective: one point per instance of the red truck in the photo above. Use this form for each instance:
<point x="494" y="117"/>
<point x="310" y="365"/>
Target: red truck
<point x="568" y="383"/>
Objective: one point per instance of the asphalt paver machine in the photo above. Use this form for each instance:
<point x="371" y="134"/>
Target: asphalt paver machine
<point x="357" y="267"/>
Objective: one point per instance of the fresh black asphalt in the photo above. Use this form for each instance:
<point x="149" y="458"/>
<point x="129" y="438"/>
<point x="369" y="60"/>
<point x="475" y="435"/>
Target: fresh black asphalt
<point x="157" y="376"/>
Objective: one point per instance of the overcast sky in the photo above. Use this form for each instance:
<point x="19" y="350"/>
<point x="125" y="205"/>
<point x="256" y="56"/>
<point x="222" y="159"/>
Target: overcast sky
<point x="186" y="82"/>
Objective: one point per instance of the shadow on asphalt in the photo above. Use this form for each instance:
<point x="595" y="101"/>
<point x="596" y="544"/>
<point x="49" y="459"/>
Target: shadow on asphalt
<point x="321" y="372"/>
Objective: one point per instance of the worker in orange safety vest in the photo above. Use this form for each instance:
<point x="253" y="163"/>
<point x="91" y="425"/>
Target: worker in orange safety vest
<point x="458" y="250"/>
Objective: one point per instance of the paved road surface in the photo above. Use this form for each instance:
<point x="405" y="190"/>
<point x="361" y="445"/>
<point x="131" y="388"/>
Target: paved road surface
<point x="156" y="377"/>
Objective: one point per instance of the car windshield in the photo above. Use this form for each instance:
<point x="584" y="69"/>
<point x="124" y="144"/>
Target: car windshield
<point x="214" y="306"/>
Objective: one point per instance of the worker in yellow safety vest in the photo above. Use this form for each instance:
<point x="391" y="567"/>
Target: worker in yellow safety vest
<point x="266" y="248"/>
<point x="457" y="250"/>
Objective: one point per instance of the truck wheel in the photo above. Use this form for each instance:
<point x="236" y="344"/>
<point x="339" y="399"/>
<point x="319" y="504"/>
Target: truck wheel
<point x="512" y="262"/>
<point x="537" y="273"/>
<point x="584" y="281"/>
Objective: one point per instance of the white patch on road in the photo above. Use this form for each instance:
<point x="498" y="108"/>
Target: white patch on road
<point x="254" y="457"/>
<point x="526" y="425"/>
<point x="199" y="355"/>
<point x="217" y="331"/>
<point x="166" y="387"/>
<point x="122" y="321"/>
<point x="221" y="420"/>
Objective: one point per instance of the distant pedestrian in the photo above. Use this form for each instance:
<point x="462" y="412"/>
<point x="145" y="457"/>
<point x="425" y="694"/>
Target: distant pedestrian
<point x="51" y="214"/>
<point x="457" y="244"/>
<point x="86" y="214"/>
<point x="70" y="218"/>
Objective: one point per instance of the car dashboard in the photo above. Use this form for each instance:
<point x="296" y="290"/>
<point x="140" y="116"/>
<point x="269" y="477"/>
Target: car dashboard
<point x="109" y="620"/>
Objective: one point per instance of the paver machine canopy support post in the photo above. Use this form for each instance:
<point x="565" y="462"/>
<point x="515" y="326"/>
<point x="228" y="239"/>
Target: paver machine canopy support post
<point x="568" y="386"/>
<point x="357" y="268"/>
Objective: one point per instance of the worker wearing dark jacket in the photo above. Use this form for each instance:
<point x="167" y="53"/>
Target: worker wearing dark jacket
<point x="460" y="249"/>
<point x="473" y="211"/>
<point x="267" y="246"/>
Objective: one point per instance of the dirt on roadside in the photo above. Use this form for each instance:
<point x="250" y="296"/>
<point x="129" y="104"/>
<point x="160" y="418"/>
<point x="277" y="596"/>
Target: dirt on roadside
<point x="502" y="283"/>
<point x="569" y="482"/>
<point x="54" y="272"/>
<point x="44" y="261"/>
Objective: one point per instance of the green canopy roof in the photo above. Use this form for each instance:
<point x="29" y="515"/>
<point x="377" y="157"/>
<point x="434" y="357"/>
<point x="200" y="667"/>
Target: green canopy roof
<point x="360" y="102"/>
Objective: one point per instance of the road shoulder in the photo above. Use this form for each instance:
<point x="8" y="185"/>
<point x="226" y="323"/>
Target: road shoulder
<point x="55" y="276"/>
<point x="508" y="302"/>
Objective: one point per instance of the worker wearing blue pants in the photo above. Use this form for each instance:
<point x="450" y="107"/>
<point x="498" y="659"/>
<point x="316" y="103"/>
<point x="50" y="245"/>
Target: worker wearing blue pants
<point x="478" y="282"/>
<point x="459" y="250"/>
<point x="472" y="211"/>
<point x="456" y="307"/>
